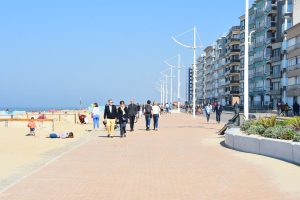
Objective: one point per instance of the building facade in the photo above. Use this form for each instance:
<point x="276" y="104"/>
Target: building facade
<point x="293" y="60"/>
<point x="269" y="58"/>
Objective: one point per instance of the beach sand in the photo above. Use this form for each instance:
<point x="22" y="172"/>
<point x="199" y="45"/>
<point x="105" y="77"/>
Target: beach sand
<point x="20" y="154"/>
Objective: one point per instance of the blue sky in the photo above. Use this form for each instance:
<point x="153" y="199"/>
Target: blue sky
<point x="54" y="52"/>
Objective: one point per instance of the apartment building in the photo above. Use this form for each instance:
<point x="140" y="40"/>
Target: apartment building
<point x="200" y="84"/>
<point x="190" y="84"/>
<point x="293" y="69"/>
<point x="269" y="58"/>
<point x="232" y="64"/>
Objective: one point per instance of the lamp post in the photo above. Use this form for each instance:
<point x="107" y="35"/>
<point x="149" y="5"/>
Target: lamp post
<point x="178" y="78"/>
<point x="194" y="47"/>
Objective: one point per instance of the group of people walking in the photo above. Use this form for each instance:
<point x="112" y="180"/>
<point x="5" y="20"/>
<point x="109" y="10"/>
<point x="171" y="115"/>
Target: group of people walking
<point x="120" y="115"/>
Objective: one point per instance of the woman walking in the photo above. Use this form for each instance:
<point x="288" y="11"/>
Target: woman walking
<point x="208" y="110"/>
<point x="123" y="118"/>
<point x="96" y="116"/>
<point x="155" y="114"/>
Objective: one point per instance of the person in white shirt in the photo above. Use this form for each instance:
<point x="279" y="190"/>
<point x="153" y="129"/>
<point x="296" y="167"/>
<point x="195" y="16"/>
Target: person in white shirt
<point x="208" y="110"/>
<point x="96" y="115"/>
<point x="155" y="114"/>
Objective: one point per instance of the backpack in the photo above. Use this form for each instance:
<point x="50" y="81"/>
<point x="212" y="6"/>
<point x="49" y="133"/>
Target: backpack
<point x="148" y="109"/>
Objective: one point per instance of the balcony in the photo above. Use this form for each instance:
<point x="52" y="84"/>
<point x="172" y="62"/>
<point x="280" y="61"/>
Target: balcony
<point x="287" y="10"/>
<point x="275" y="92"/>
<point x="258" y="44"/>
<point x="232" y="82"/>
<point x="276" y="59"/>
<point x="258" y="59"/>
<point x="270" y="40"/>
<point x="294" y="47"/>
<point x="277" y="75"/>
<point x="284" y="64"/>
<point x="271" y="26"/>
<point x="271" y="8"/>
<point x="294" y="67"/>
<point x="268" y="58"/>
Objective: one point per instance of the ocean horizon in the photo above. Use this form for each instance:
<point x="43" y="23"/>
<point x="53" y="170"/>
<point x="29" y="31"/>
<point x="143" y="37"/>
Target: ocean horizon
<point x="31" y="109"/>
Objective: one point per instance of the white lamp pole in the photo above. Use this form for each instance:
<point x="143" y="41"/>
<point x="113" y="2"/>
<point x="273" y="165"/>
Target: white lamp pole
<point x="194" y="75"/>
<point x="179" y="83"/>
<point x="171" y="87"/>
<point x="246" y="62"/>
<point x="194" y="47"/>
<point x="178" y="77"/>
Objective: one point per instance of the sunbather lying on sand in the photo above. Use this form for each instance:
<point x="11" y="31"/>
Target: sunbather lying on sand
<point x="62" y="135"/>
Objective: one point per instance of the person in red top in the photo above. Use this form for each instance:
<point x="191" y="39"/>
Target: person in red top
<point x="31" y="125"/>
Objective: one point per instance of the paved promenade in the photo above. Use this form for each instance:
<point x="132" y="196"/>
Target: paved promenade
<point x="183" y="160"/>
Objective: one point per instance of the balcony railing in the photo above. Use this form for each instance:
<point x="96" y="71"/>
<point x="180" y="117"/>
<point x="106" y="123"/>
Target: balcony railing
<point x="293" y="86"/>
<point x="232" y="81"/>
<point x="293" y="67"/>
<point x="295" y="46"/>
<point x="270" y="40"/>
<point x="276" y="59"/>
<point x="271" y="24"/>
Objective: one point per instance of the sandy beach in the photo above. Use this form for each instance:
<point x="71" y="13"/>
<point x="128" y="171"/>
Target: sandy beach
<point x="20" y="154"/>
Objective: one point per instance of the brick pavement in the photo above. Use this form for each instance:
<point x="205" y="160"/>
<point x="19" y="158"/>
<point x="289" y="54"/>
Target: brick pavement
<point x="183" y="160"/>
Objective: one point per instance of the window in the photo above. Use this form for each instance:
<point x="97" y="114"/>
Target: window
<point x="292" y="61"/>
<point x="276" y="86"/>
<point x="276" y="52"/>
<point x="276" y="69"/>
<point x="292" y="81"/>
<point x="291" y="42"/>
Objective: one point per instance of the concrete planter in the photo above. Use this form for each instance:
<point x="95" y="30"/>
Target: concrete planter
<point x="280" y="149"/>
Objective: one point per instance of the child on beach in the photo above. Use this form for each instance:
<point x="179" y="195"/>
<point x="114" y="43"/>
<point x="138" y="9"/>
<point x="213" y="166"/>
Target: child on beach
<point x="31" y="125"/>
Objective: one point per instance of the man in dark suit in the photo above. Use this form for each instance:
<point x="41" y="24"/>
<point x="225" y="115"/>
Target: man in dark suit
<point x="132" y="112"/>
<point x="218" y="110"/>
<point x="110" y="115"/>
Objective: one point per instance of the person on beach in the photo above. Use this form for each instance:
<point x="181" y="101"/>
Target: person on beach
<point x="155" y="114"/>
<point x="123" y="118"/>
<point x="132" y="112"/>
<point x="83" y="119"/>
<point x="218" y="109"/>
<point x="62" y="135"/>
<point x="110" y="116"/>
<point x="148" y="114"/>
<point x="31" y="125"/>
<point x="96" y="116"/>
<point x="208" y="110"/>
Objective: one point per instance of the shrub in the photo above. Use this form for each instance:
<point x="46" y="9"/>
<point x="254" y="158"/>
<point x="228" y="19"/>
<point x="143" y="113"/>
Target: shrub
<point x="256" y="130"/>
<point x="279" y="132"/>
<point x="288" y="135"/>
<point x="267" y="121"/>
<point x="295" y="123"/>
<point x="272" y="132"/>
<point x="246" y="125"/>
<point x="296" y="137"/>
<point x="283" y="123"/>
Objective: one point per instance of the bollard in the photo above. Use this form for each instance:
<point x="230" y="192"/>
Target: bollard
<point x="59" y="117"/>
<point x="75" y="118"/>
<point x="6" y="123"/>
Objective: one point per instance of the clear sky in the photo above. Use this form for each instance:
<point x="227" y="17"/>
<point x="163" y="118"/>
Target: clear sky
<point x="55" y="51"/>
